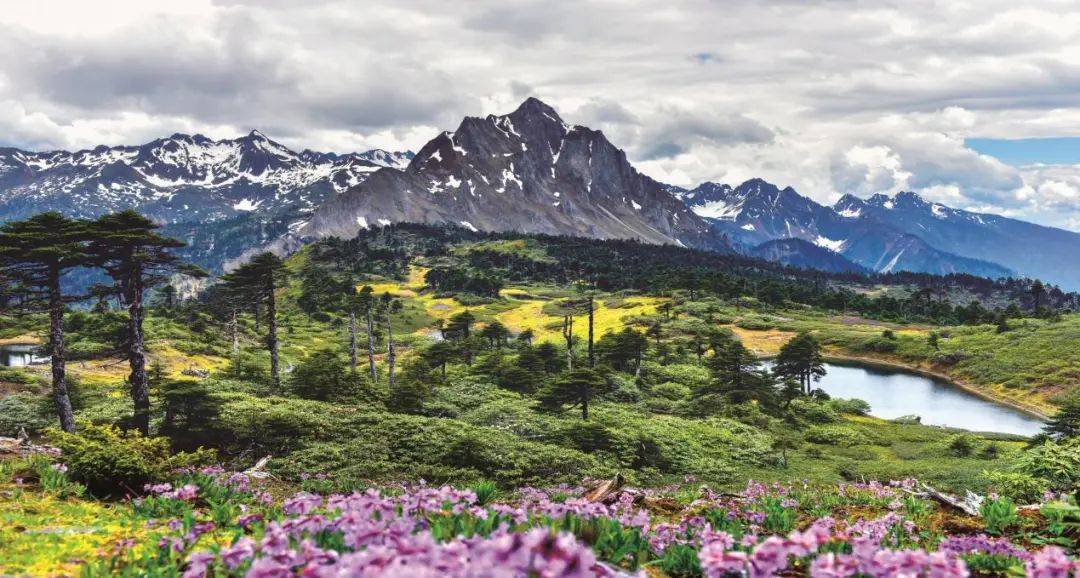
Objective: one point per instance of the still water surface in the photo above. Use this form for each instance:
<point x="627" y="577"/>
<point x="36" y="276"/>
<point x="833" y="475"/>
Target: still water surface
<point x="893" y="393"/>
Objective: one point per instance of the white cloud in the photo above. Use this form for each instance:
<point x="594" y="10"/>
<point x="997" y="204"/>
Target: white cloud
<point x="828" y="97"/>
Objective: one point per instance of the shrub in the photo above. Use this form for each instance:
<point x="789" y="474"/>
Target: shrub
<point x="813" y="411"/>
<point x="1018" y="486"/>
<point x="835" y="435"/>
<point x="248" y="366"/>
<point x="324" y="376"/>
<point x="961" y="445"/>
<point x="998" y="514"/>
<point x="111" y="462"/>
<point x="849" y="406"/>
<point x="1057" y="463"/>
<point x="877" y="344"/>
<point x="24" y="410"/>
<point x="671" y="390"/>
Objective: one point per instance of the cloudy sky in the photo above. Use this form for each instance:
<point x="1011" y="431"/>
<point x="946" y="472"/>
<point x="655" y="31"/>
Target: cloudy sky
<point x="969" y="103"/>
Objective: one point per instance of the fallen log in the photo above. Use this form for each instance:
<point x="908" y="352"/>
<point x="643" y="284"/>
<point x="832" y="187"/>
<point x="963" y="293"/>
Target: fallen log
<point x="969" y="505"/>
<point x="607" y="489"/>
<point x="258" y="471"/>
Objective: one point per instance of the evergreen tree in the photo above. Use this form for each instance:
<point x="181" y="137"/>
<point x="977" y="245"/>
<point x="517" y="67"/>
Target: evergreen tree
<point x="34" y="255"/>
<point x="1066" y="422"/>
<point x="623" y="350"/>
<point x="800" y="359"/>
<point x="1038" y="292"/>
<point x="439" y="354"/>
<point x="574" y="389"/>
<point x="137" y="258"/>
<point x="459" y="330"/>
<point x="496" y="334"/>
<point x="257" y="282"/>
<point x="365" y="303"/>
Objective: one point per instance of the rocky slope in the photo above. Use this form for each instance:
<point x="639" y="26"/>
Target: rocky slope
<point x="526" y="171"/>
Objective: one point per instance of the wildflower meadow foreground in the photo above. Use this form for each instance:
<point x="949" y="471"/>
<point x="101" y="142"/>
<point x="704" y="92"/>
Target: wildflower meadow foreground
<point x="209" y="522"/>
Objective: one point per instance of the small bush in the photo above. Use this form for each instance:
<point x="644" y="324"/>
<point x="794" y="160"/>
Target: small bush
<point x="961" y="445"/>
<point x="834" y="435"/>
<point x="325" y="376"/>
<point x="111" y="462"/>
<point x="813" y="411"/>
<point x="24" y="410"/>
<point x="849" y="406"/>
<point x="1021" y="487"/>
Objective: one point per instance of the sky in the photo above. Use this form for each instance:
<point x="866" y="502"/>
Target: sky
<point x="972" y="104"/>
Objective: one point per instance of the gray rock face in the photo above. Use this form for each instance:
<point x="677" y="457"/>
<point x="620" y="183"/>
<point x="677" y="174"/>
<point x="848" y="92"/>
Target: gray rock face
<point x="527" y="171"/>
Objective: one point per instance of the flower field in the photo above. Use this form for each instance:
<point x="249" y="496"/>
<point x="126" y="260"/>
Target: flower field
<point x="214" y="523"/>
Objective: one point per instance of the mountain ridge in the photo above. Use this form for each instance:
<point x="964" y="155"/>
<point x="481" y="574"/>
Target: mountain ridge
<point x="525" y="171"/>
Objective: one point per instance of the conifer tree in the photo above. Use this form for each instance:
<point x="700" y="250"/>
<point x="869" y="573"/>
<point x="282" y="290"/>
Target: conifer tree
<point x="34" y="255"/>
<point x="800" y="359"/>
<point x="137" y="258"/>
<point x="575" y="389"/>
<point x="257" y="281"/>
<point x="390" y="305"/>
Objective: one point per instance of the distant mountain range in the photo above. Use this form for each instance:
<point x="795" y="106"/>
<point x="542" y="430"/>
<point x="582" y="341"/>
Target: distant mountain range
<point x="222" y="196"/>
<point x="883" y="234"/>
<point x="525" y="171"/>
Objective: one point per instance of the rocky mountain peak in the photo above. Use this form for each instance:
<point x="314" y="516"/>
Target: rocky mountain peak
<point x="524" y="171"/>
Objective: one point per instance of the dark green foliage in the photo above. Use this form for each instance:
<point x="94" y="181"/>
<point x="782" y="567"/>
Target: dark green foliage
<point x="461" y="279"/>
<point x="575" y="389"/>
<point x="326" y="376"/>
<point x="622" y="350"/>
<point x="191" y="415"/>
<point x="1066" y="422"/>
<point x="800" y="359"/>
<point x="24" y="411"/>
<point x="114" y="463"/>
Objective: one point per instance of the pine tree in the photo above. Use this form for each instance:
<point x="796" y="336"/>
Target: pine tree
<point x="257" y="282"/>
<point x="137" y="258"/>
<point x="1066" y="423"/>
<point x="359" y="304"/>
<point x="800" y="359"/>
<point x="365" y="302"/>
<point x="575" y="389"/>
<point x="34" y="255"/>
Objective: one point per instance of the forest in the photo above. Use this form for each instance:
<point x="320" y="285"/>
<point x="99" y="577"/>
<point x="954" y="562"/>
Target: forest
<point x="423" y="401"/>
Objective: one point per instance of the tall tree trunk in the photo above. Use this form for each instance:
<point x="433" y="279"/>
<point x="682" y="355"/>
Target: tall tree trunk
<point x="391" y="356"/>
<point x="139" y="380"/>
<point x="568" y="335"/>
<point x="57" y="353"/>
<point x="271" y="336"/>
<point x="352" y="340"/>
<point x="592" y="359"/>
<point x="371" y="346"/>
<point x="234" y="329"/>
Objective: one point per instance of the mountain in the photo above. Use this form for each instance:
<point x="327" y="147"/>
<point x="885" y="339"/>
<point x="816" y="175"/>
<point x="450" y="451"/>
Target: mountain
<point x="223" y="196"/>
<point x="805" y="255"/>
<point x="1030" y="250"/>
<point x="527" y="171"/>
<point x="756" y="212"/>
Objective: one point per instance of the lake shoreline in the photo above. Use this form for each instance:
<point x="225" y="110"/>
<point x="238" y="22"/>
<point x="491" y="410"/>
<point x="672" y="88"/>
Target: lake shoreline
<point x="958" y="383"/>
